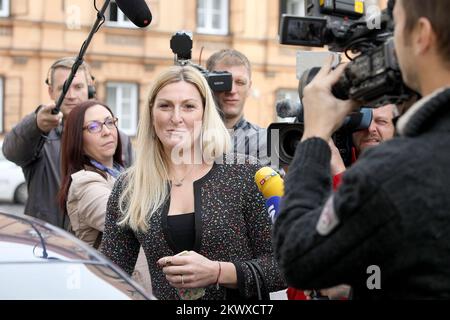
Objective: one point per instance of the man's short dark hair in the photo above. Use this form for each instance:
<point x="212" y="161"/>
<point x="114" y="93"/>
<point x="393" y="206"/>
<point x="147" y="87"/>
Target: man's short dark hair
<point x="437" y="11"/>
<point x="229" y="57"/>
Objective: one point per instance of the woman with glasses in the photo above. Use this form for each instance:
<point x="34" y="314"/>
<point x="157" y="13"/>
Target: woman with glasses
<point x="91" y="161"/>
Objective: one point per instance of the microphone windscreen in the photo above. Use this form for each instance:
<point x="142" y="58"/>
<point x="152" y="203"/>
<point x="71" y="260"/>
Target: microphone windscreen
<point x="137" y="11"/>
<point x="287" y="108"/>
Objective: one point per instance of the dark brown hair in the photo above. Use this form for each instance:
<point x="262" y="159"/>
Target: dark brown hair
<point x="437" y="12"/>
<point x="73" y="158"/>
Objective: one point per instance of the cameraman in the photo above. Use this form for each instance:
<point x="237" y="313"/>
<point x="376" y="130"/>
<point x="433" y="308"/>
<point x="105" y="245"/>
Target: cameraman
<point x="381" y="128"/>
<point x="248" y="138"/>
<point x="385" y="234"/>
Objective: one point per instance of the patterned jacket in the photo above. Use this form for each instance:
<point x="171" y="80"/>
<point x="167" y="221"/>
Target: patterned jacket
<point x="231" y="225"/>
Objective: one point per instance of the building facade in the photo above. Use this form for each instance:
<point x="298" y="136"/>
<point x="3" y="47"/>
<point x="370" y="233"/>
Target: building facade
<point x="124" y="59"/>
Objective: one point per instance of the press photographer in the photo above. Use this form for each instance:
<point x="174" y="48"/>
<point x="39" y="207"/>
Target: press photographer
<point x="386" y="230"/>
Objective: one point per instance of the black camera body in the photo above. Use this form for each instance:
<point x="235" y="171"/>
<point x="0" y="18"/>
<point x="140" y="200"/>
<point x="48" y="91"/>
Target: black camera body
<point x="373" y="78"/>
<point x="334" y="23"/>
<point x="181" y="45"/>
<point x="289" y="134"/>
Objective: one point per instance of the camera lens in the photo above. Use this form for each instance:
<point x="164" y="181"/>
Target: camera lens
<point x="289" y="141"/>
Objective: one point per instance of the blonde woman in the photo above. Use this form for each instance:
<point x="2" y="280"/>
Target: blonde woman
<point x="179" y="197"/>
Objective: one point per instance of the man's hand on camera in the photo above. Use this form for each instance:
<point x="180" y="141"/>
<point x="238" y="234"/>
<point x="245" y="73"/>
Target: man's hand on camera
<point x="323" y="112"/>
<point x="335" y="293"/>
<point x="46" y="121"/>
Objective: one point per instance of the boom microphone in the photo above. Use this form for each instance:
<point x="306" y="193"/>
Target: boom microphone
<point x="271" y="186"/>
<point x="137" y="11"/>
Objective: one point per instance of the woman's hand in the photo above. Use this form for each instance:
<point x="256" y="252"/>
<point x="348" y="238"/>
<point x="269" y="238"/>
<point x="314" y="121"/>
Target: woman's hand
<point x="188" y="269"/>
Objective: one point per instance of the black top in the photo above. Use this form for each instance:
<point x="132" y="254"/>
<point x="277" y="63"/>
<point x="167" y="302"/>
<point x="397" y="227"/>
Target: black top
<point x="181" y="229"/>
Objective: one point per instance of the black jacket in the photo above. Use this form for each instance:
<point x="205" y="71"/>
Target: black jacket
<point x="392" y="211"/>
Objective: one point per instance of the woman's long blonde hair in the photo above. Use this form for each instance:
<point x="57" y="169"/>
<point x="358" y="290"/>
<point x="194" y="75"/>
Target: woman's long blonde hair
<point x="146" y="188"/>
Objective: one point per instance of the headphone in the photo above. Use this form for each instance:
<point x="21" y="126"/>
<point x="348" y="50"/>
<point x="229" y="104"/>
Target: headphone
<point x="67" y="63"/>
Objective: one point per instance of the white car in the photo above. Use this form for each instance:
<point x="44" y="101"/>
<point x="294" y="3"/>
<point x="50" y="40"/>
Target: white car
<point x="39" y="261"/>
<point x="12" y="181"/>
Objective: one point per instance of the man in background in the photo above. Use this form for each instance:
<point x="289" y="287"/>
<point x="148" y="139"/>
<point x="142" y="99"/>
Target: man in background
<point x="35" y="142"/>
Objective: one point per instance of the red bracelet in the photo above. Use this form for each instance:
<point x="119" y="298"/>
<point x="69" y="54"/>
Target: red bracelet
<point x="218" y="276"/>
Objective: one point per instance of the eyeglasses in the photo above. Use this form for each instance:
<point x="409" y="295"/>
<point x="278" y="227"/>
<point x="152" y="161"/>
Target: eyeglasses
<point x="97" y="126"/>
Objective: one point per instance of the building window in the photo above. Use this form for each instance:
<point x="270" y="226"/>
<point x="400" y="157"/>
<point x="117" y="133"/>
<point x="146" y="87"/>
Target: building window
<point x="4" y="8"/>
<point x="116" y="18"/>
<point x="212" y="16"/>
<point x="1" y="104"/>
<point x="122" y="98"/>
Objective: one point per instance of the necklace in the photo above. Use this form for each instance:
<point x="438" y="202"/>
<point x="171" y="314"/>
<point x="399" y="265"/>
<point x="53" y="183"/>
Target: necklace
<point x="179" y="183"/>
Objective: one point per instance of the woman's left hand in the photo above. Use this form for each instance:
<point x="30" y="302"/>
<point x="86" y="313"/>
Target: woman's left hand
<point x="189" y="269"/>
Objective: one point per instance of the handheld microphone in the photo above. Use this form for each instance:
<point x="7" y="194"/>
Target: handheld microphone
<point x="137" y="11"/>
<point x="271" y="186"/>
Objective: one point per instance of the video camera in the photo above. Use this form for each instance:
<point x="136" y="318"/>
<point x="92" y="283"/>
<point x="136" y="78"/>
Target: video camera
<point x="181" y="45"/>
<point x="289" y="133"/>
<point x="373" y="77"/>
